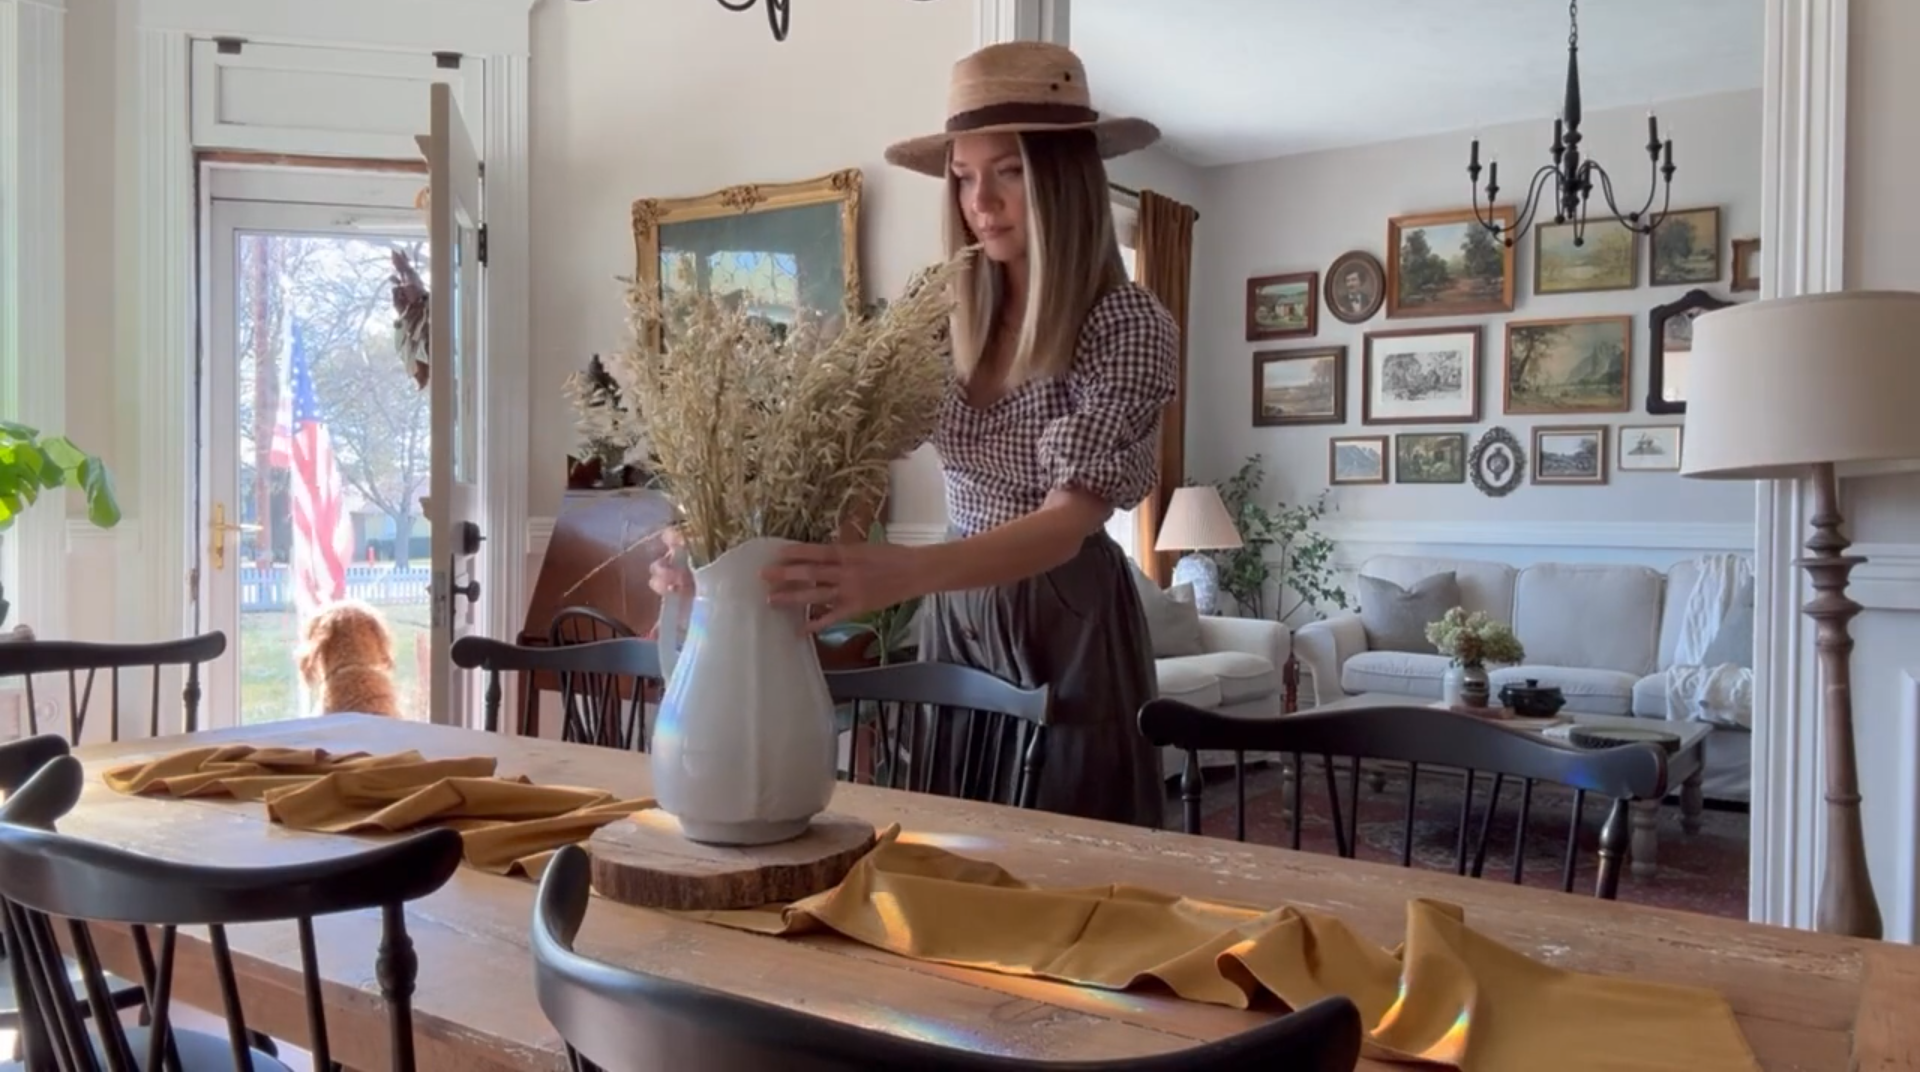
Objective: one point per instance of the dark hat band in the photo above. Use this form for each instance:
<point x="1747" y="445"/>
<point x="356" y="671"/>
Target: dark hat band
<point x="994" y="115"/>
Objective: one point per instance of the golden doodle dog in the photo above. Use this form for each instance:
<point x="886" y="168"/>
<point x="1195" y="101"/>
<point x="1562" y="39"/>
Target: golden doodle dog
<point x="346" y="660"/>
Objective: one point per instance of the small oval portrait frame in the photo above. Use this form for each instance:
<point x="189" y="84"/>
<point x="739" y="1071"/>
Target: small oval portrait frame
<point x="1354" y="304"/>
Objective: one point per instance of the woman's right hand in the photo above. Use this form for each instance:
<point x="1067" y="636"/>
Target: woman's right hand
<point x="668" y="573"/>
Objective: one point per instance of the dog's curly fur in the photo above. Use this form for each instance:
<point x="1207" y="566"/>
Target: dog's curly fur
<point x="347" y="660"/>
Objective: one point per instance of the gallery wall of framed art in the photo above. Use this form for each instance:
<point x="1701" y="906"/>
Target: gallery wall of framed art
<point x="1469" y="376"/>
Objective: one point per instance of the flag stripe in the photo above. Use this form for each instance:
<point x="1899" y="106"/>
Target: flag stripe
<point x="319" y="516"/>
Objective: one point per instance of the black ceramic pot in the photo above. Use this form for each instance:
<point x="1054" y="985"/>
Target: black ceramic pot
<point x="1532" y="700"/>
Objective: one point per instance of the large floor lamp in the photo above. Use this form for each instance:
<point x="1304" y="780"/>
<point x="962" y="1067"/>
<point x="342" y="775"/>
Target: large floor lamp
<point x="1789" y="389"/>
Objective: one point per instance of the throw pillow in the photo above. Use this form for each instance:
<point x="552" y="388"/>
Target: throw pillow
<point x="1734" y="642"/>
<point x="1396" y="618"/>
<point x="1173" y="621"/>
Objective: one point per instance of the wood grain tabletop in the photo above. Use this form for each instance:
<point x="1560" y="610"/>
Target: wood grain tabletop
<point x="1805" y="1001"/>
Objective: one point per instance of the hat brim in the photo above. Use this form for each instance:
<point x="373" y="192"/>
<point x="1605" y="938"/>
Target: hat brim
<point x="1116" y="137"/>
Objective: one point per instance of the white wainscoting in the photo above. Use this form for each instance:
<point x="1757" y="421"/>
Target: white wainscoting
<point x="1890" y="578"/>
<point x="1522" y="543"/>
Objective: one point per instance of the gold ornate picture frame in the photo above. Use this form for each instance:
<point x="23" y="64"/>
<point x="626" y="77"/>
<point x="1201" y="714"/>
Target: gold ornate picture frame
<point x="792" y="244"/>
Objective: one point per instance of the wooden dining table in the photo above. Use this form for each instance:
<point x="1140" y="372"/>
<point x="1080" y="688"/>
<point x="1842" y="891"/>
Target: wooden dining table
<point x="1804" y="1000"/>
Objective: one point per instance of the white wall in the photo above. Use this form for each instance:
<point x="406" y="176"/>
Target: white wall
<point x="1883" y="226"/>
<point x="1299" y="213"/>
<point x="663" y="100"/>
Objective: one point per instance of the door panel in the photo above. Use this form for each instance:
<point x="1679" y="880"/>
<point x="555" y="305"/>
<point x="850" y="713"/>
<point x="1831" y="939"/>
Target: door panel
<point x="315" y="500"/>
<point x="453" y="509"/>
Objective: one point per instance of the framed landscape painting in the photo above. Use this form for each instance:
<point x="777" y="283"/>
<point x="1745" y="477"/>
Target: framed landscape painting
<point x="1430" y="458"/>
<point x="1685" y="248"/>
<point x="1570" y="455"/>
<point x="1283" y="306"/>
<point x="1357" y="460"/>
<point x="1604" y="259"/>
<point x="1421" y="376"/>
<point x="1447" y="264"/>
<point x="1300" y="387"/>
<point x="1572" y="365"/>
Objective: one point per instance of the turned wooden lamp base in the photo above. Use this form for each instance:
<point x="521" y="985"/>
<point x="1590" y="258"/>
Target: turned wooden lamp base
<point x="1847" y="904"/>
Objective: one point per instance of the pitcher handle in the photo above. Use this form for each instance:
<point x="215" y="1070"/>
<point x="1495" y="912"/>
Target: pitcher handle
<point x="667" y="636"/>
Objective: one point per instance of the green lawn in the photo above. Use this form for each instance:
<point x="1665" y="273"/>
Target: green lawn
<point x="270" y="685"/>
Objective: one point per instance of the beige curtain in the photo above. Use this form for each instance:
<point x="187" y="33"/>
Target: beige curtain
<point x="1163" y="263"/>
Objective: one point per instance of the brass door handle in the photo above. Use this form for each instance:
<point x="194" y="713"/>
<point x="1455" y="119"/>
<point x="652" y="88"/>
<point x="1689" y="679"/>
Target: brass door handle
<point x="217" y="530"/>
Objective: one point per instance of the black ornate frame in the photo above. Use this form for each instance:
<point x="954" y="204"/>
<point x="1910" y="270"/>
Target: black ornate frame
<point x="1691" y="302"/>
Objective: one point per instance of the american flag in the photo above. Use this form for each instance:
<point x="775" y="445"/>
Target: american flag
<point x="300" y="440"/>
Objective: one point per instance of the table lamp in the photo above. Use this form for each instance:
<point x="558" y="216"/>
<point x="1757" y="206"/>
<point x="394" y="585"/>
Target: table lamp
<point x="1198" y="521"/>
<point x="1788" y="389"/>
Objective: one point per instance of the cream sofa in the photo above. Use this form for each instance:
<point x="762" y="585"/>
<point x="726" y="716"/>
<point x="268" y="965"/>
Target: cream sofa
<point x="1603" y="633"/>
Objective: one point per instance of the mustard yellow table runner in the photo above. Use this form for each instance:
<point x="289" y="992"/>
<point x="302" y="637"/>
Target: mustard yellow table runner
<point x="1447" y="995"/>
<point x="509" y="825"/>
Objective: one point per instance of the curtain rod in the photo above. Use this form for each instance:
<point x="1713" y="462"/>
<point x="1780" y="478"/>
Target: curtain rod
<point x="1129" y="191"/>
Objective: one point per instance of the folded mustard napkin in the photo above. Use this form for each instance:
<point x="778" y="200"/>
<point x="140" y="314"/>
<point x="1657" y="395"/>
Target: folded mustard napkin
<point x="509" y="825"/>
<point x="1448" y="995"/>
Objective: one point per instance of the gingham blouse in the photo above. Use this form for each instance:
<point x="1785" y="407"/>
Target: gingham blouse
<point x="1095" y="429"/>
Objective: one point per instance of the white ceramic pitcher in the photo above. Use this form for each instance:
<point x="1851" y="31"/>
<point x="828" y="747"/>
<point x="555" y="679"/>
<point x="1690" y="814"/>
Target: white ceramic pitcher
<point x="744" y="746"/>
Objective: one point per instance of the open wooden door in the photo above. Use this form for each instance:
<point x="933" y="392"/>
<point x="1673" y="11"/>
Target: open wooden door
<point x="453" y="506"/>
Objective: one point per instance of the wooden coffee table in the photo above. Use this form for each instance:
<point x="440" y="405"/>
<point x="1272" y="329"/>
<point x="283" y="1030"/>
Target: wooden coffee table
<point x="1683" y="765"/>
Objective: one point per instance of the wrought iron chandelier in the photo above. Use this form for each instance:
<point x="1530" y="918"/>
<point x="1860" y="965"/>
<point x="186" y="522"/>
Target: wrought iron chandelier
<point x="1572" y="175"/>
<point x="777" y="14"/>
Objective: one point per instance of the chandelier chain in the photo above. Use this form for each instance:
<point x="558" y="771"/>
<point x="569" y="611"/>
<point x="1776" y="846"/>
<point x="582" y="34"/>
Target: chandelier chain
<point x="1573" y="23"/>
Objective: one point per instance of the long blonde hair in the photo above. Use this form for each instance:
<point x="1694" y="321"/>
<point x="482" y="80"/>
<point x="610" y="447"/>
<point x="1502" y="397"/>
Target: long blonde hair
<point x="1073" y="259"/>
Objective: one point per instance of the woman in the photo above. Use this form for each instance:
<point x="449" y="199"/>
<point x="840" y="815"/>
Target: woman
<point x="1062" y="368"/>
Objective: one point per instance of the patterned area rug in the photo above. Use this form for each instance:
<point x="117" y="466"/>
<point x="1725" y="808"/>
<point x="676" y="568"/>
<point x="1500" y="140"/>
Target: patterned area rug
<point x="1704" y="872"/>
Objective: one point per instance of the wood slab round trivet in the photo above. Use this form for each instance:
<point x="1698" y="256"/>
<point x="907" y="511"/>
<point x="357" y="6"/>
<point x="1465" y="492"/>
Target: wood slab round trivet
<point x="646" y="861"/>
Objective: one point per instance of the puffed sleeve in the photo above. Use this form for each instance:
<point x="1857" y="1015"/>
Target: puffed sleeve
<point x="1122" y="379"/>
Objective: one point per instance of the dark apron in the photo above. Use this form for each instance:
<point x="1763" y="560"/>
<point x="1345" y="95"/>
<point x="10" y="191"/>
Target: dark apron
<point x="1078" y="629"/>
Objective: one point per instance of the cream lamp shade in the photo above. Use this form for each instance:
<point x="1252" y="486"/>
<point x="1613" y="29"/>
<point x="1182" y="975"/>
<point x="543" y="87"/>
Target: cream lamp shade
<point x="1197" y="521"/>
<point x="1776" y="386"/>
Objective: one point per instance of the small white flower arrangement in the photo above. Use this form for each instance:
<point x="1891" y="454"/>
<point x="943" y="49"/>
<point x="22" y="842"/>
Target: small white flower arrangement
<point x="1474" y="640"/>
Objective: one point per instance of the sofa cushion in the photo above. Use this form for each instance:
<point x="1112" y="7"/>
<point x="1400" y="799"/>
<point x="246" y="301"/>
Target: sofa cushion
<point x="1173" y="620"/>
<point x="1589" y="691"/>
<point x="1228" y="677"/>
<point x="1403" y="673"/>
<point x="1580" y="614"/>
<point x="1484" y="586"/>
<point x="1396" y="616"/>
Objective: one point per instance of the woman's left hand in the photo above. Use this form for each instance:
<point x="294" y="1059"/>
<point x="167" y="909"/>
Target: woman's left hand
<point x="840" y="581"/>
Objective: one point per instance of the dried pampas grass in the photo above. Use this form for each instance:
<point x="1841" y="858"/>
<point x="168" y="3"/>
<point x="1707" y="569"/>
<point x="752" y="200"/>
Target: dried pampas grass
<point x="754" y="431"/>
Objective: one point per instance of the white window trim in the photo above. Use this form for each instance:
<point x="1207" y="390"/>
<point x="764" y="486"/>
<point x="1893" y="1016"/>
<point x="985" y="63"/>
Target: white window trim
<point x="157" y="347"/>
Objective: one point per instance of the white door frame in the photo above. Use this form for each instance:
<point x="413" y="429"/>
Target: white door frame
<point x="247" y="198"/>
<point x="157" y="341"/>
<point x="1802" y="240"/>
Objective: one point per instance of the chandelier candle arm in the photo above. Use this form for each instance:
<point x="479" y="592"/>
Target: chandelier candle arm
<point x="1574" y="175"/>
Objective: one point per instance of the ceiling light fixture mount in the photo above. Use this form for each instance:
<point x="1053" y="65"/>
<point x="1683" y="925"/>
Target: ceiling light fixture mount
<point x="778" y="16"/>
<point x="1572" y="175"/>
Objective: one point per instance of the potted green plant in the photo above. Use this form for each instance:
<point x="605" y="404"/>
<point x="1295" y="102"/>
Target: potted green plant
<point x="1280" y="545"/>
<point x="1472" y="641"/>
<point x="31" y="464"/>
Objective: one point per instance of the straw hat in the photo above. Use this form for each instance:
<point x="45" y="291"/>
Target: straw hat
<point x="1020" y="86"/>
